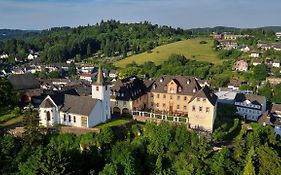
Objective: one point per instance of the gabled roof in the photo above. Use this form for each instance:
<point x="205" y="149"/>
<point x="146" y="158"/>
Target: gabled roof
<point x="188" y="84"/>
<point x="81" y="105"/>
<point x="131" y="88"/>
<point x="47" y="103"/>
<point x="23" y="81"/>
<point x="58" y="98"/>
<point x="254" y="99"/>
<point x="206" y="92"/>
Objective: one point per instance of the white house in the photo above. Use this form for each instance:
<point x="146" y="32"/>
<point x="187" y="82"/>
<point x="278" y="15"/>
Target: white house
<point x="254" y="54"/>
<point x="4" y="56"/>
<point x="278" y="34"/>
<point x="245" y="49"/>
<point x="32" y="56"/>
<point x="276" y="63"/>
<point x="257" y="62"/>
<point x="250" y="106"/>
<point x="113" y="74"/>
<point x="79" y="111"/>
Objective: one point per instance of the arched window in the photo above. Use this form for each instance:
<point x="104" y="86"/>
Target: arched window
<point x="48" y="116"/>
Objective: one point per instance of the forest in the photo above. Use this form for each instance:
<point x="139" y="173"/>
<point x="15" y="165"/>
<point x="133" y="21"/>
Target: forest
<point x="139" y="149"/>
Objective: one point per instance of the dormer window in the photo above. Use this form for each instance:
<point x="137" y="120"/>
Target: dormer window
<point x="171" y="90"/>
<point x="180" y="89"/>
<point x="122" y="94"/>
<point x="188" y="81"/>
<point x="194" y="90"/>
<point x="161" y="79"/>
<point x="154" y="86"/>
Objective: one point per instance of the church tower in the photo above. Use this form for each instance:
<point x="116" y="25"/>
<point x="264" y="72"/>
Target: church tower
<point x="101" y="91"/>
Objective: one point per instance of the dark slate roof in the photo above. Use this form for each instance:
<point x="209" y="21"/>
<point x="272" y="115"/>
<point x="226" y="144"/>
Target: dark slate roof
<point x="188" y="84"/>
<point x="23" y="81"/>
<point x="58" y="98"/>
<point x="81" y="105"/>
<point x="131" y="88"/>
<point x="265" y="118"/>
<point x="206" y="92"/>
<point x="254" y="99"/>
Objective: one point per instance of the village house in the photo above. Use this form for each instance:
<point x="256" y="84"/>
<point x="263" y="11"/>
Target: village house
<point x="32" y="56"/>
<point x="4" y="56"/>
<point x="69" y="61"/>
<point x="78" y="111"/>
<point x="273" y="80"/>
<point x="26" y="85"/>
<point x="245" y="49"/>
<point x="257" y="62"/>
<point x="234" y="84"/>
<point x="272" y="117"/>
<point x="276" y="63"/>
<point x="229" y="44"/>
<point x="250" y="106"/>
<point x="88" y="77"/>
<point x="277" y="47"/>
<point x="113" y="74"/>
<point x="264" y="46"/>
<point x="278" y="34"/>
<point x="127" y="95"/>
<point x="241" y="65"/>
<point x="254" y="54"/>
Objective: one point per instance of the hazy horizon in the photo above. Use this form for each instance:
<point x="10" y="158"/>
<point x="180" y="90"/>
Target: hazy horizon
<point x="44" y="14"/>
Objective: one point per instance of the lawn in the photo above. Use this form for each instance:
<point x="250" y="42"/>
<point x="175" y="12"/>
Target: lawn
<point x="190" y="48"/>
<point x="12" y="121"/>
<point x="113" y="123"/>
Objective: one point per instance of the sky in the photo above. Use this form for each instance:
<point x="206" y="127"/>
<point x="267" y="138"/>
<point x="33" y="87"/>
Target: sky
<point x="43" y="14"/>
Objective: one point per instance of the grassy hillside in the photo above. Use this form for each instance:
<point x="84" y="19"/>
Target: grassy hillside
<point x="191" y="49"/>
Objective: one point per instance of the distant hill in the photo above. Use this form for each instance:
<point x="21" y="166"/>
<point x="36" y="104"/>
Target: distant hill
<point x="6" y="34"/>
<point x="190" y="48"/>
<point x="230" y="29"/>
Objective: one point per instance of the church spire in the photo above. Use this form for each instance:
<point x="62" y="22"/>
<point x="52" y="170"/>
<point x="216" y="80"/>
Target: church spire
<point x="100" y="80"/>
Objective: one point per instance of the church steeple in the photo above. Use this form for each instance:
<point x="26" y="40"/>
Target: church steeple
<point x="100" y="79"/>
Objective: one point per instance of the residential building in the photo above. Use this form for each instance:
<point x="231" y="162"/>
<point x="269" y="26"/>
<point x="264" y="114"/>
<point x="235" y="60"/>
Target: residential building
<point x="4" y="56"/>
<point x="87" y="77"/>
<point x="241" y="65"/>
<point x="254" y="54"/>
<point x="127" y="95"/>
<point x="272" y="117"/>
<point x="273" y="80"/>
<point x="113" y="74"/>
<point x="257" y="62"/>
<point x="234" y="84"/>
<point x="250" y="106"/>
<point x="180" y="95"/>
<point x="245" y="49"/>
<point x="276" y="63"/>
<point x="78" y="111"/>
<point x="26" y="85"/>
<point x="278" y="34"/>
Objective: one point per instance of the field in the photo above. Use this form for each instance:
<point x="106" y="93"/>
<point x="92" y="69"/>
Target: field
<point x="191" y="49"/>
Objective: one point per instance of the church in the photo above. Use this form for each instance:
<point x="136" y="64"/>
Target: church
<point x="79" y="111"/>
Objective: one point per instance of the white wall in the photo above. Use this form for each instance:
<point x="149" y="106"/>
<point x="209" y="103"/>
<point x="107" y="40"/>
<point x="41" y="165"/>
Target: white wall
<point x="96" y="116"/>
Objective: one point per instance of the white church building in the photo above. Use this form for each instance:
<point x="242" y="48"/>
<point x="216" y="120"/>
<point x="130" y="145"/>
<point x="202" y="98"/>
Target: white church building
<point x="79" y="111"/>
